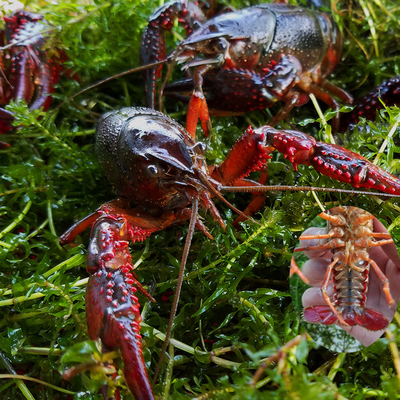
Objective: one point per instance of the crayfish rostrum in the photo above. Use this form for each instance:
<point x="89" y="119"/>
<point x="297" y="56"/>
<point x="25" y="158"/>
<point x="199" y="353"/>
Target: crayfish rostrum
<point x="152" y="162"/>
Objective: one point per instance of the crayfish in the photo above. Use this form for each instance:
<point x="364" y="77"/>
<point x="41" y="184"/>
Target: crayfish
<point x="346" y="246"/>
<point x="31" y="73"/>
<point x="247" y="60"/>
<point x="152" y="162"/>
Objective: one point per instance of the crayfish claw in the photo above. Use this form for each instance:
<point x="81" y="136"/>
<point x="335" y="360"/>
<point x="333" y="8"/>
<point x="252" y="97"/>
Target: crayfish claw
<point x="112" y="307"/>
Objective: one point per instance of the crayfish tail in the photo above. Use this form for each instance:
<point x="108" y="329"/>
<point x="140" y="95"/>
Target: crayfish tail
<point x="320" y="315"/>
<point x="368" y="318"/>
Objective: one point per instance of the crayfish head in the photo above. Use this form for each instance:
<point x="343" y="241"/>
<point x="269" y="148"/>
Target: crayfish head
<point x="149" y="158"/>
<point x="210" y="44"/>
<point x="209" y="53"/>
<point x="232" y="40"/>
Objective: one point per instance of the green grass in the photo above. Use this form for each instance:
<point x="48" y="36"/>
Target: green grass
<point x="235" y="307"/>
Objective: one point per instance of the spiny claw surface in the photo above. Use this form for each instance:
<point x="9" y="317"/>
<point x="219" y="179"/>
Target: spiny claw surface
<point x="112" y="307"/>
<point x="331" y="160"/>
<point x="388" y="92"/>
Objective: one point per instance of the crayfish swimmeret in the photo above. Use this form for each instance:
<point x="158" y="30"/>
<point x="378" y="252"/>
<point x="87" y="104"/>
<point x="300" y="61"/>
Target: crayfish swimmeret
<point x="248" y="59"/>
<point x="154" y="163"/>
<point x="31" y="73"/>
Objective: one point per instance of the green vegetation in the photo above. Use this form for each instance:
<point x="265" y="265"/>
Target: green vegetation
<point x="235" y="307"/>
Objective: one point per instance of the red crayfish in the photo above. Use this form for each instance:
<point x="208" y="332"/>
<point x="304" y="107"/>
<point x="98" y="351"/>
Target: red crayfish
<point x="248" y="59"/>
<point x="153" y="162"/>
<point x="27" y="71"/>
<point x="350" y="237"/>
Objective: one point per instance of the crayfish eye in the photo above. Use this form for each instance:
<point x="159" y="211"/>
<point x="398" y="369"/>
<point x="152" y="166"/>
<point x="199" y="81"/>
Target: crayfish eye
<point x="153" y="171"/>
<point x="200" y="147"/>
<point x="196" y="25"/>
<point x="220" y="45"/>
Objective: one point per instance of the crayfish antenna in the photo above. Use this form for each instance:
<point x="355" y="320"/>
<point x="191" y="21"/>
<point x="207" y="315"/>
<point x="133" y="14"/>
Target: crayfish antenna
<point x="265" y="188"/>
<point x="173" y="58"/>
<point x="218" y="194"/>
<point x="192" y="224"/>
<point x="110" y="78"/>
